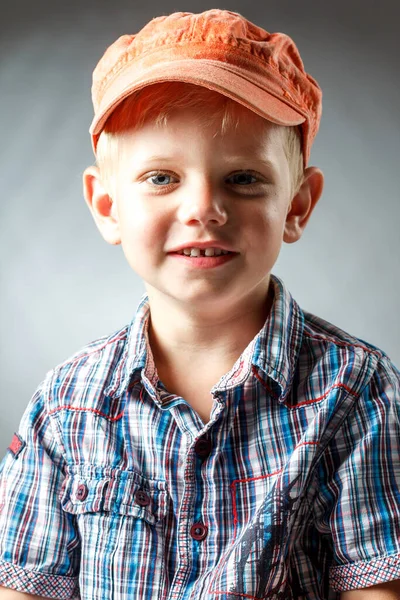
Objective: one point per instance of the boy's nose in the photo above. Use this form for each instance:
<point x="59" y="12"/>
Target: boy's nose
<point x="203" y="204"/>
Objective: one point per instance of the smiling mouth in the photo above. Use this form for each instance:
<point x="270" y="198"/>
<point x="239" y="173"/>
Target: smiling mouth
<point x="205" y="262"/>
<point x="206" y="252"/>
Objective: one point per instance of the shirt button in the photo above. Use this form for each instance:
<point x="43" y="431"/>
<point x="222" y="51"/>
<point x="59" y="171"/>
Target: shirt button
<point x="82" y="491"/>
<point x="142" y="498"/>
<point x="198" y="531"/>
<point x="202" y="447"/>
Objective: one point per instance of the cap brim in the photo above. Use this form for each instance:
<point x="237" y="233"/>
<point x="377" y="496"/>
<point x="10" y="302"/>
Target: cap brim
<point x="262" y="97"/>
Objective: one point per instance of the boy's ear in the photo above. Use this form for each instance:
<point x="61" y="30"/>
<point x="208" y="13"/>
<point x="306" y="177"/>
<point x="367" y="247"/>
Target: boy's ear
<point x="303" y="204"/>
<point x="101" y="205"/>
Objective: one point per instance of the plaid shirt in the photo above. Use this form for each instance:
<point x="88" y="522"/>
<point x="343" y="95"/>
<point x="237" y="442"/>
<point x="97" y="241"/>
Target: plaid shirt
<point x="113" y="488"/>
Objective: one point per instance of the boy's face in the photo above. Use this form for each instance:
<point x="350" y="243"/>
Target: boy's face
<point x="181" y="184"/>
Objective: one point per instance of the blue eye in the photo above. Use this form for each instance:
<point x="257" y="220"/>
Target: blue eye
<point x="243" y="178"/>
<point x="163" y="179"/>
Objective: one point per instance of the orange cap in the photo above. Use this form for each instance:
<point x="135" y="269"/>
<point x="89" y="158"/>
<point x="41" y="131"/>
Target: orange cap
<point x="219" y="50"/>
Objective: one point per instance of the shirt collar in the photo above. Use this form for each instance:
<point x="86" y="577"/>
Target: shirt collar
<point x="279" y="342"/>
<point x="274" y="350"/>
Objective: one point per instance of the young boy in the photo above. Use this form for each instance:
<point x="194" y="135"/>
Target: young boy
<point x="226" y="443"/>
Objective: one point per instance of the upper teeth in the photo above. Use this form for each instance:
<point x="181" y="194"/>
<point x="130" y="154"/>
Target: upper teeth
<point x="206" y="252"/>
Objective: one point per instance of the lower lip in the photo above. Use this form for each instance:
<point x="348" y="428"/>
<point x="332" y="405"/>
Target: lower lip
<point x="204" y="262"/>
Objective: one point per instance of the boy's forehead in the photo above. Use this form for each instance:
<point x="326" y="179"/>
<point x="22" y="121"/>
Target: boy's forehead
<point x="250" y="137"/>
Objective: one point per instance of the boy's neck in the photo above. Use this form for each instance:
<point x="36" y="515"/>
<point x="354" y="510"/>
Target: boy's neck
<point x="189" y="338"/>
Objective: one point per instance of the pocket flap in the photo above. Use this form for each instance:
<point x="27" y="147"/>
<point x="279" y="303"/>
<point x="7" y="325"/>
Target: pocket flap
<point x="104" y="489"/>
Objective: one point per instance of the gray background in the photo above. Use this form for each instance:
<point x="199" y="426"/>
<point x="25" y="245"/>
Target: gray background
<point x="63" y="286"/>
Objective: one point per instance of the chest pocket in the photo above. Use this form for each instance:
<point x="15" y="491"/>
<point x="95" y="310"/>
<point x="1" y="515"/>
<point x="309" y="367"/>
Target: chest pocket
<point x="120" y="519"/>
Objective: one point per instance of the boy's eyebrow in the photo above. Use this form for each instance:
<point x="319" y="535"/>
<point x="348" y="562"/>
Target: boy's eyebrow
<point x="252" y="158"/>
<point x="159" y="157"/>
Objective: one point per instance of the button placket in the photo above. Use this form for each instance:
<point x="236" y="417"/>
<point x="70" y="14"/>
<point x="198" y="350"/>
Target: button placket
<point x="203" y="447"/>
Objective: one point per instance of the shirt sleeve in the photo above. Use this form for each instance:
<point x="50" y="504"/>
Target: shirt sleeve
<point x="360" y="487"/>
<point x="39" y="544"/>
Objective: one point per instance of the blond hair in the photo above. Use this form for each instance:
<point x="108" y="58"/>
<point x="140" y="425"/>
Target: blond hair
<point x="212" y="107"/>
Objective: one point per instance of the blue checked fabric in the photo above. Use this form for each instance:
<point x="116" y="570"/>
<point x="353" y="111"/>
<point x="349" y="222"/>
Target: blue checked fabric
<point x="114" y="489"/>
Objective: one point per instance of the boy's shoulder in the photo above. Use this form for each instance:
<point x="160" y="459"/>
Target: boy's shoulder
<point x="89" y="376"/>
<point x="342" y="357"/>
<point x="319" y="329"/>
<point x="107" y="347"/>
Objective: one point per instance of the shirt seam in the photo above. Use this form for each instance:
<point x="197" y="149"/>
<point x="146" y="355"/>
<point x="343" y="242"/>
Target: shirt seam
<point x="342" y="343"/>
<point x="365" y="561"/>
